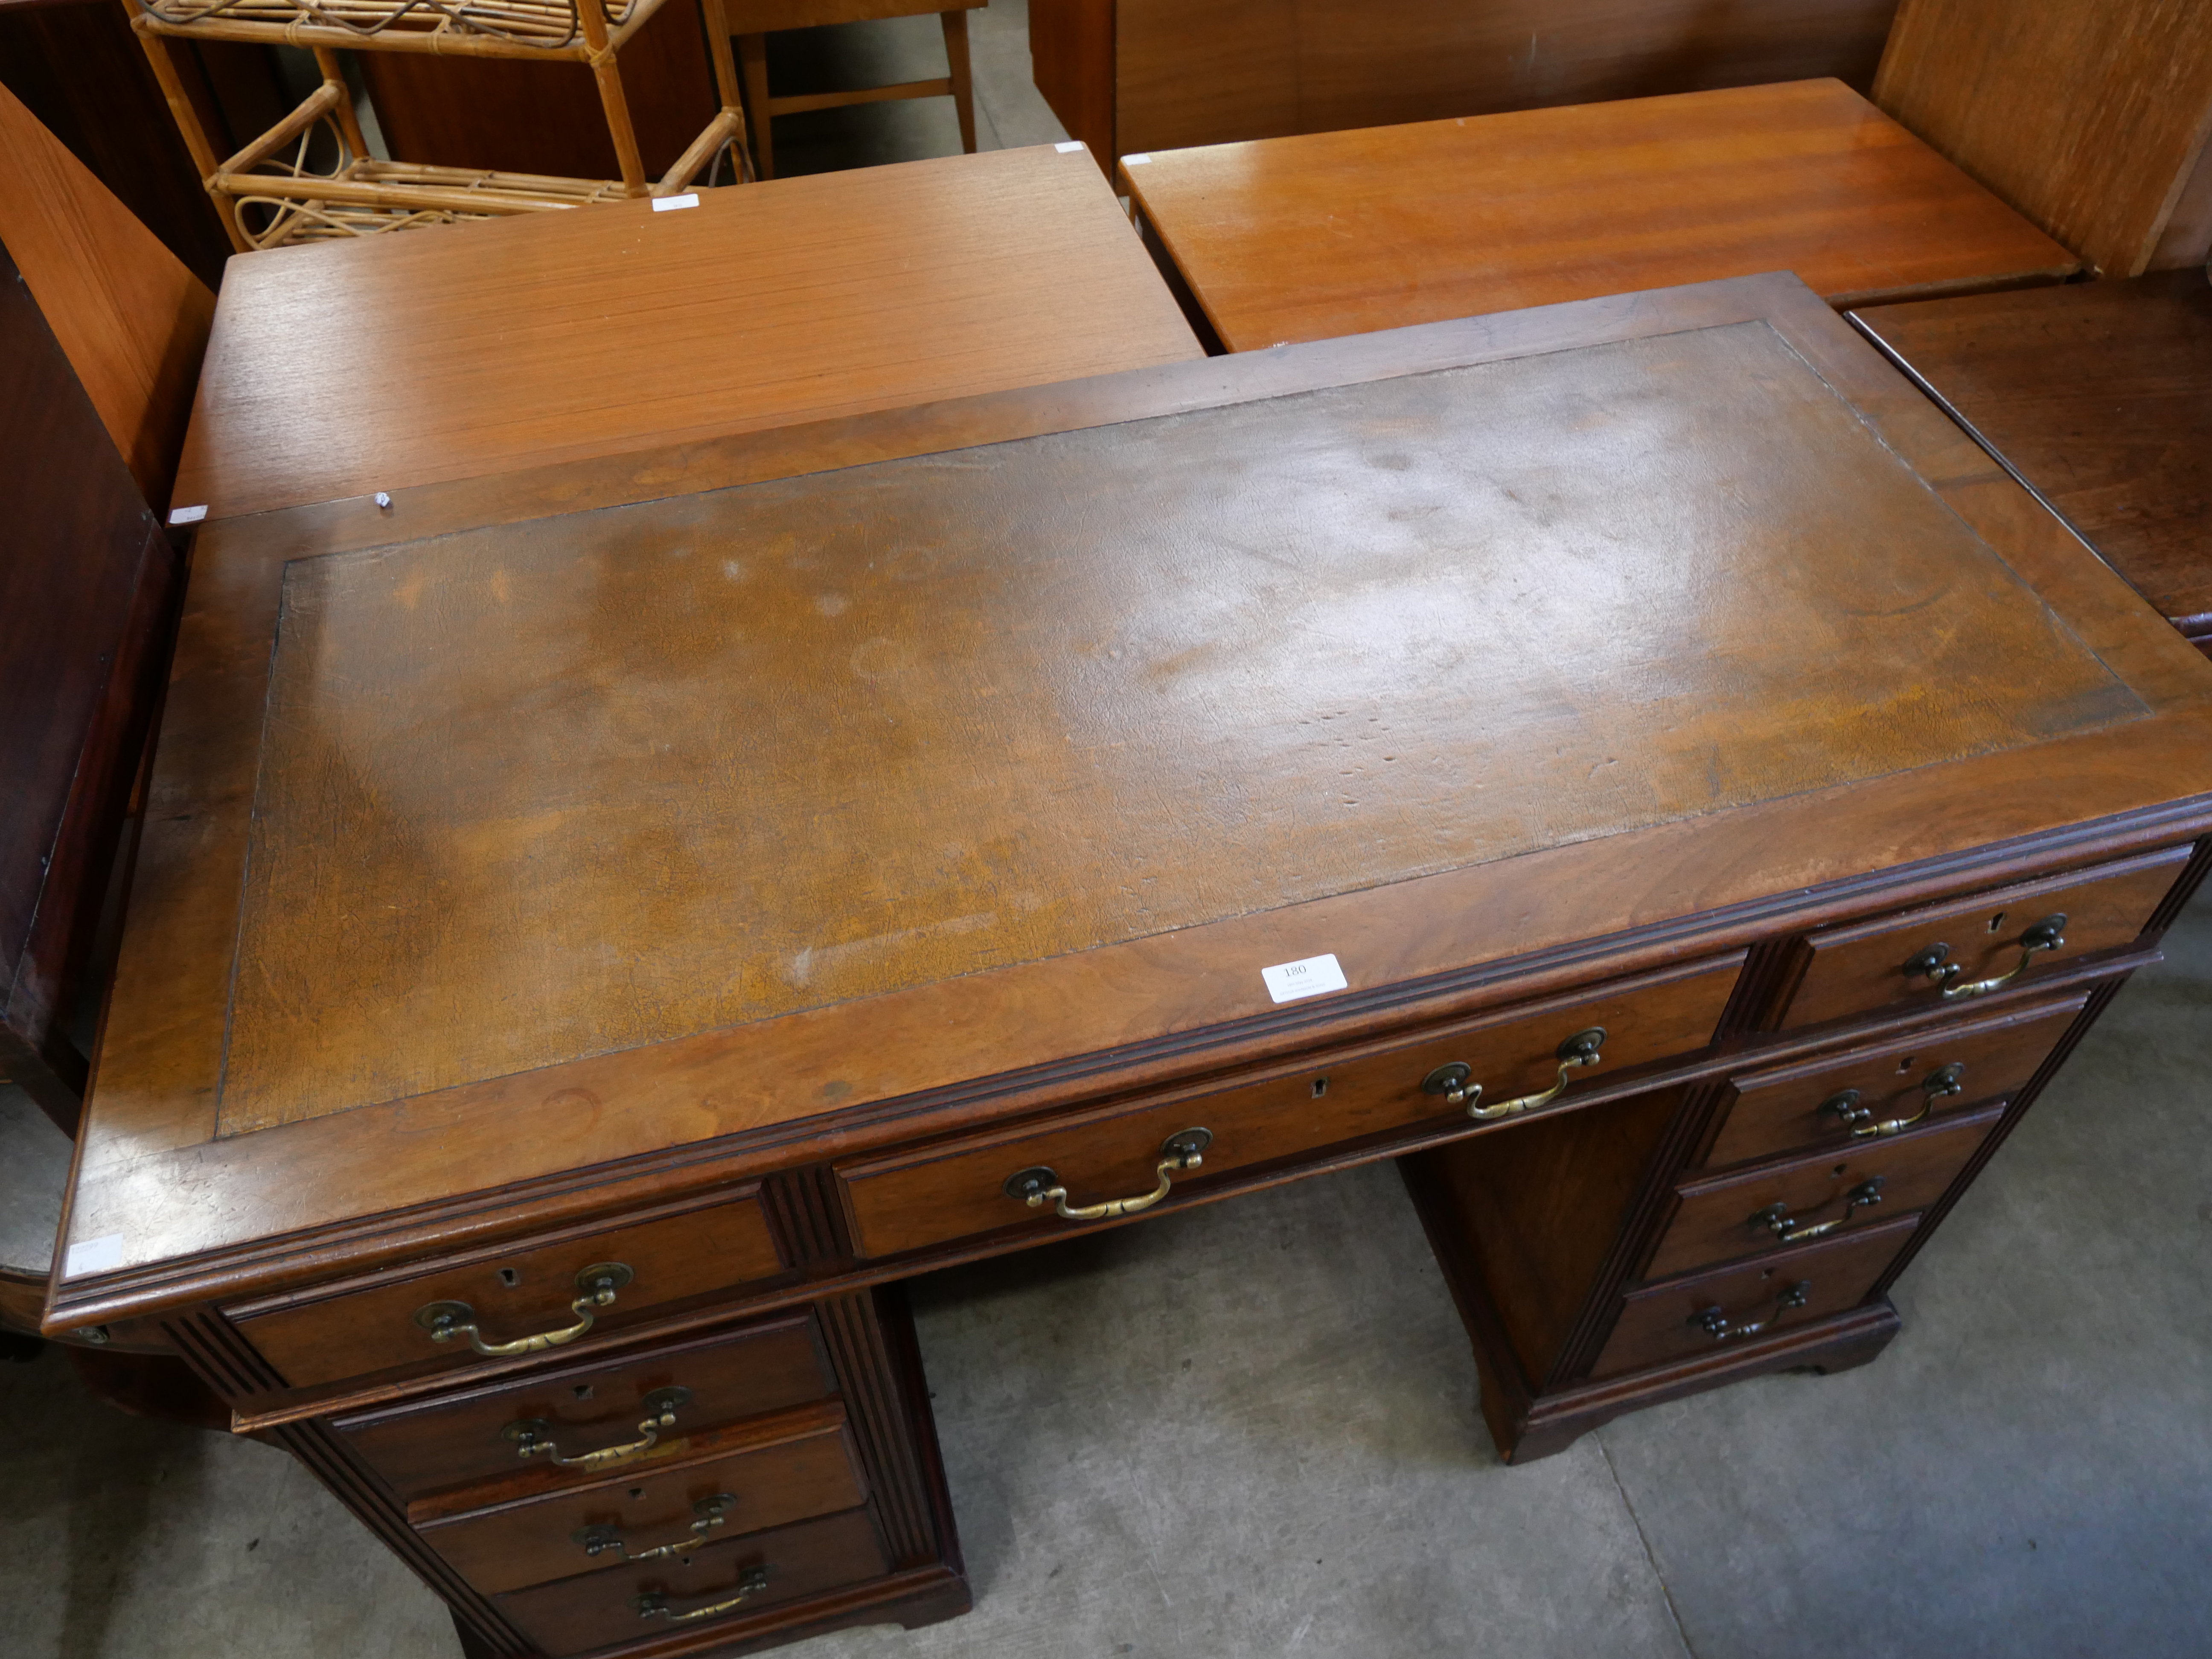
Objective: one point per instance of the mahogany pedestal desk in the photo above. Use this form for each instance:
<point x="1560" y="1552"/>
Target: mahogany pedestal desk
<point x="1327" y="233"/>
<point x="346" y="369"/>
<point x="2098" y="397"/>
<point x="1635" y="762"/>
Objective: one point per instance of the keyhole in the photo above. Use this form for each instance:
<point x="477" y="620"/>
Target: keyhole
<point x="1839" y="1171"/>
<point x="637" y="1491"/>
<point x="1320" y="1087"/>
<point x="583" y="1391"/>
<point x="508" y="1277"/>
<point x="1904" y="1065"/>
<point x="1996" y="921"/>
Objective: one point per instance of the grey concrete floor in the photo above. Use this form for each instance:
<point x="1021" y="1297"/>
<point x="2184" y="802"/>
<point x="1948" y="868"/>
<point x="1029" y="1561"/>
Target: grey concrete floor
<point x="1250" y="1429"/>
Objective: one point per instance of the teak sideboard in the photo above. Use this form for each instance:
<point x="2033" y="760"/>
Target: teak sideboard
<point x="598" y="930"/>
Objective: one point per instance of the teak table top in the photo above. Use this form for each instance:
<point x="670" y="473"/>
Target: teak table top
<point x="343" y="369"/>
<point x="820" y="788"/>
<point x="2098" y="397"/>
<point x="1327" y="233"/>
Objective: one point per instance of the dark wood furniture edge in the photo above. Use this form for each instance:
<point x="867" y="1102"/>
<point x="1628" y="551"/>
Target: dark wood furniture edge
<point x="1191" y="1060"/>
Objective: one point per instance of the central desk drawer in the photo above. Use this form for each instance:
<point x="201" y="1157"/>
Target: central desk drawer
<point x="1724" y="1217"/>
<point x="717" y="1587"/>
<point x="911" y="1200"/>
<point x="794" y="1466"/>
<point x="530" y="1297"/>
<point x="459" y="1439"/>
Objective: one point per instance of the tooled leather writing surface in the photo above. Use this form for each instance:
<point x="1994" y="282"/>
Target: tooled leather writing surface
<point x="585" y="784"/>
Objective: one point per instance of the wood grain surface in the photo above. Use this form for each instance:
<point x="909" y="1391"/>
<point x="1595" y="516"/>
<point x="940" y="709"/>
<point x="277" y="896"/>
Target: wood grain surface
<point x="2087" y="115"/>
<point x="627" y="777"/>
<point x="2098" y="396"/>
<point x="179" y="1202"/>
<point x="1188" y="72"/>
<point x="132" y="319"/>
<point x="1339" y="233"/>
<point x="343" y="369"/>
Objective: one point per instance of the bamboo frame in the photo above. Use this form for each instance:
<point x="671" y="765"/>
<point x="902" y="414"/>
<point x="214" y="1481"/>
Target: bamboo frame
<point x="361" y="196"/>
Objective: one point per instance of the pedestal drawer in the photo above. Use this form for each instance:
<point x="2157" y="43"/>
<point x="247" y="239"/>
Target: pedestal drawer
<point x="718" y="1586"/>
<point x="792" y="1466"/>
<point x="458" y="1439"/>
<point x="1841" y="1101"/>
<point x="526" y="1298"/>
<point x="1724" y="1217"/>
<point x="1751" y="1300"/>
<point x="1953" y="951"/>
<point x="905" y="1200"/>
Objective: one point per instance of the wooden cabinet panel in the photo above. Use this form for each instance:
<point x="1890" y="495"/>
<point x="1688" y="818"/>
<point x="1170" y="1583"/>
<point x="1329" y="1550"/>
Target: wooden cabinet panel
<point x="1754" y="1299"/>
<point x="456" y="1439"/>
<point x="1728" y="1216"/>
<point x="1818" y="1103"/>
<point x="1875" y="964"/>
<point x="595" y="1610"/>
<point x="700" y="1490"/>
<point x="520" y="1292"/>
<point x="909" y="1200"/>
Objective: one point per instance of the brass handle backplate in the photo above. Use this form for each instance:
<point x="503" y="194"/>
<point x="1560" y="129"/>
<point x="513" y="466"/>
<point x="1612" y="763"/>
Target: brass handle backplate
<point x="1455" y="1079"/>
<point x="1850" y="1110"/>
<point x="534" y="1435"/>
<point x="1716" y="1322"/>
<point x="653" y="1604"/>
<point x="1038" y="1186"/>
<point x="1777" y="1219"/>
<point x="596" y="1287"/>
<point x="599" y="1539"/>
<point x="1933" y="963"/>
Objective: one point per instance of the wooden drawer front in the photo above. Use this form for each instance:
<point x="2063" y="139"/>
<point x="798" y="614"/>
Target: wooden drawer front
<point x="1676" y="1320"/>
<point x="794" y="1466"/>
<point x="597" y="1609"/>
<point x="519" y="1292"/>
<point x="1874" y="964"/>
<point x="905" y="1201"/>
<point x="1813" y="1105"/>
<point x="458" y="1439"/>
<point x="1718" y="1218"/>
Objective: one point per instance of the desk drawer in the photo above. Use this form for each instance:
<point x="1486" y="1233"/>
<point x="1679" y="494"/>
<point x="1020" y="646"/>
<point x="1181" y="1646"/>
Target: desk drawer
<point x="908" y="1200"/>
<point x="458" y="1439"/>
<point x="1750" y="1301"/>
<point x="1874" y="964"/>
<point x="792" y="1466"/>
<point x="599" y="1610"/>
<point x="1723" y="1217"/>
<point x="516" y="1294"/>
<point x="1816" y="1104"/>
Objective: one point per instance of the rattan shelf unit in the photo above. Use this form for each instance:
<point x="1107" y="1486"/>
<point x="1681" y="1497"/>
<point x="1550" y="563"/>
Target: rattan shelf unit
<point x="268" y="193"/>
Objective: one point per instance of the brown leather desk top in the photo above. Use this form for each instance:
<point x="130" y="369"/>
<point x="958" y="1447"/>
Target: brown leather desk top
<point x="2098" y="397"/>
<point x="818" y="783"/>
<point x="1327" y="234"/>
<point x="342" y="368"/>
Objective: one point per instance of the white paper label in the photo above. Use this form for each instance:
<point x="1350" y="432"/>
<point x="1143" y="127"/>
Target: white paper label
<point x="186" y="514"/>
<point x="1070" y="147"/>
<point x="95" y="1255"/>
<point x="1289" y="980"/>
<point x="1134" y="160"/>
<point x="670" y="204"/>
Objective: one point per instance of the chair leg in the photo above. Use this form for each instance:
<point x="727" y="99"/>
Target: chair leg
<point x="348" y="121"/>
<point x="591" y="19"/>
<point x="963" y="84"/>
<point x="752" y="55"/>
<point x="196" y="144"/>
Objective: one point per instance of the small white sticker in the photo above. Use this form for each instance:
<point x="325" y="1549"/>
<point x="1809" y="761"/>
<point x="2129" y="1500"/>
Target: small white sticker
<point x="1070" y="147"/>
<point x="95" y="1255"/>
<point x="1134" y="160"/>
<point x="186" y="514"/>
<point x="1289" y="980"/>
<point x="670" y="204"/>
